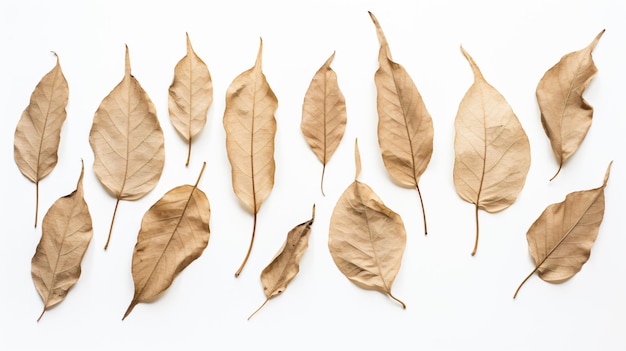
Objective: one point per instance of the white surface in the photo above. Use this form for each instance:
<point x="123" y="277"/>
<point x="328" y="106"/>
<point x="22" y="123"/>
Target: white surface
<point x="454" y="301"/>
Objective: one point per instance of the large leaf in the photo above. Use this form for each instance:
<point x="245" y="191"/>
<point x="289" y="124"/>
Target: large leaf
<point x="565" y="115"/>
<point x="492" y="152"/>
<point x="66" y="233"/>
<point x="174" y="232"/>
<point x="560" y="240"/>
<point x="190" y="96"/>
<point x="324" y="115"/>
<point x="250" y="129"/>
<point x="38" y="131"/>
<point x="366" y="239"/>
<point x="127" y="142"/>
<point x="405" y="128"/>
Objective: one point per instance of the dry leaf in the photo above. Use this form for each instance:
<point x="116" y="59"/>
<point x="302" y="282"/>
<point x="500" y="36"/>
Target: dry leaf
<point x="405" y="128"/>
<point x="561" y="238"/>
<point x="366" y="239"/>
<point x="174" y="232"/>
<point x="66" y="233"/>
<point x="286" y="264"/>
<point x="565" y="115"/>
<point x="127" y="142"/>
<point x="492" y="152"/>
<point x="324" y="115"/>
<point x="250" y="129"/>
<point x="190" y="96"/>
<point x="38" y="131"/>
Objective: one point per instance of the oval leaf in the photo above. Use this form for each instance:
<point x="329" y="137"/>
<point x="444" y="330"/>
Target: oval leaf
<point x="38" y="131"/>
<point x="492" y="152"/>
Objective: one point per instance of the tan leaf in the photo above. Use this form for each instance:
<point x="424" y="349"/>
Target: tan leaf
<point x="405" y="128"/>
<point x="174" y="232"/>
<point x="38" y="131"/>
<point x="565" y="115"/>
<point x="560" y="240"/>
<point x="324" y="115"/>
<point x="66" y="233"/>
<point x="286" y="264"/>
<point x="127" y="142"/>
<point x="366" y="239"/>
<point x="190" y="96"/>
<point x="492" y="152"/>
<point x="250" y="129"/>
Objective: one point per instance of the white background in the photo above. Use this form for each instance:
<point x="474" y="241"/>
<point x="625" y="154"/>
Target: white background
<point x="454" y="301"/>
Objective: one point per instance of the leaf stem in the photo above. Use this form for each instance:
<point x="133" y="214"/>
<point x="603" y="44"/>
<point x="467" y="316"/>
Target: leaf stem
<point x="258" y="309"/>
<point x="524" y="281"/>
<point x="398" y="300"/>
<point x="249" y="248"/>
<point x="112" y="221"/>
<point x="476" y="243"/>
<point x="188" y="153"/>
<point x="423" y="210"/>
<point x="322" y="182"/>
<point x="41" y="315"/>
<point x="130" y="308"/>
<point x="557" y="172"/>
<point x="36" y="202"/>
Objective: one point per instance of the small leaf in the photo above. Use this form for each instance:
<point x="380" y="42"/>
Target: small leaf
<point x="174" y="232"/>
<point x="286" y="264"/>
<point x="561" y="238"/>
<point x="565" y="115"/>
<point x="66" y="233"/>
<point x="190" y="96"/>
<point x="38" y="131"/>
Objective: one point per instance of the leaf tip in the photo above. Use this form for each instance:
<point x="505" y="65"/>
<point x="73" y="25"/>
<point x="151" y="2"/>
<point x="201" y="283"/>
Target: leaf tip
<point x="127" y="62"/>
<point x="477" y="73"/>
<point x="357" y="158"/>
<point x="130" y="308"/>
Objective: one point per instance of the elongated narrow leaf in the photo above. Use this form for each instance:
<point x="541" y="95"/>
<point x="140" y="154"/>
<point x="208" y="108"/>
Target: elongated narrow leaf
<point x="565" y="115"/>
<point x="560" y="240"/>
<point x="38" y="131"/>
<point x="66" y="233"/>
<point x="405" y="128"/>
<point x="492" y="152"/>
<point x="366" y="239"/>
<point x="127" y="142"/>
<point x="324" y="115"/>
<point x="174" y="232"/>
<point x="190" y="96"/>
<point x="250" y="129"/>
<point x="286" y="264"/>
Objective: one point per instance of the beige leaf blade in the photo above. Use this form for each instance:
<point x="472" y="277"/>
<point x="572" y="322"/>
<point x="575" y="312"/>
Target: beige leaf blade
<point x="492" y="152"/>
<point x="250" y="129"/>
<point x="565" y="115"/>
<point x="405" y="128"/>
<point x="560" y="240"/>
<point x="324" y="115"/>
<point x="66" y="233"/>
<point x="286" y="264"/>
<point x="38" y="131"/>
<point x="366" y="239"/>
<point x="190" y="96"/>
<point x="174" y="232"/>
<point x="127" y="142"/>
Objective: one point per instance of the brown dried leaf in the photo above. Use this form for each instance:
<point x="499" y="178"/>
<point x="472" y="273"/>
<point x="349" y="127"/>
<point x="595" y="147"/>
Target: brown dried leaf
<point x="38" y="131"/>
<point x="560" y="240"/>
<point x="174" y="232"/>
<point x="492" y="152"/>
<point x="324" y="115"/>
<point x="190" y="96"/>
<point x="66" y="233"/>
<point x="286" y="264"/>
<point x="565" y="115"/>
<point x="250" y="129"/>
<point x="127" y="142"/>
<point x="366" y="239"/>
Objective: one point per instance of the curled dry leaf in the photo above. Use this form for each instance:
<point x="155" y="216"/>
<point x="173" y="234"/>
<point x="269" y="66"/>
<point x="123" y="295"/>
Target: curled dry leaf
<point x="324" y="115"/>
<point x="366" y="239"/>
<point x="560" y="240"/>
<point x="492" y="152"/>
<point x="250" y="129"/>
<point x="286" y="264"/>
<point x="405" y="128"/>
<point x="190" y="96"/>
<point x="66" y="233"/>
<point x="127" y="142"/>
<point x="174" y="232"/>
<point x="38" y="131"/>
<point x="565" y="115"/>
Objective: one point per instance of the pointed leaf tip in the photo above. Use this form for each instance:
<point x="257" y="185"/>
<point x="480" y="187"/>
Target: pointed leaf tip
<point x="357" y="158"/>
